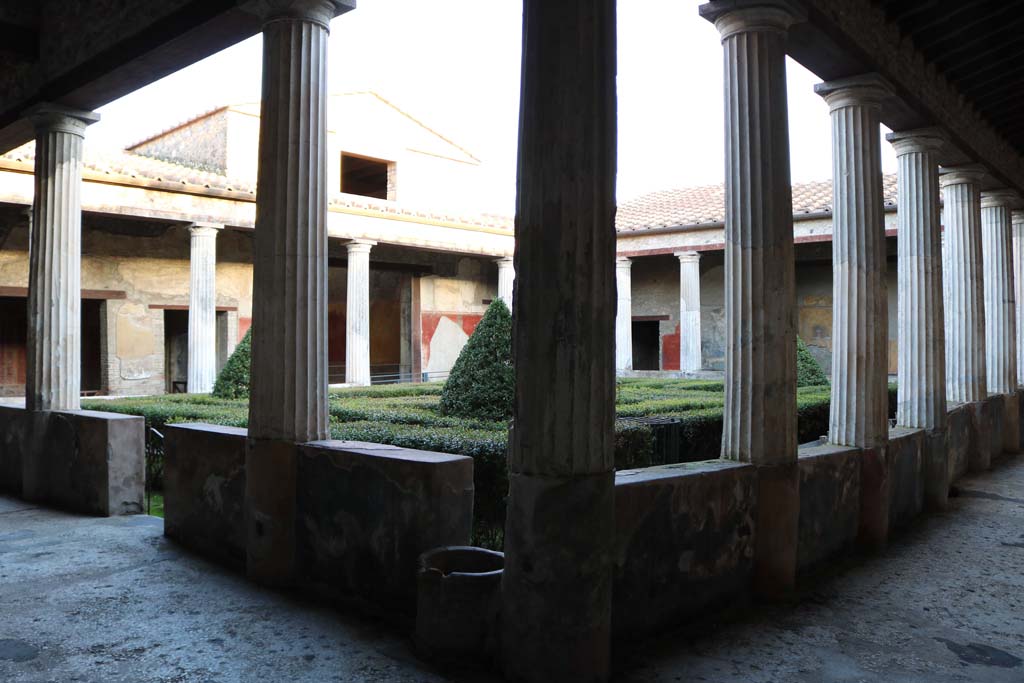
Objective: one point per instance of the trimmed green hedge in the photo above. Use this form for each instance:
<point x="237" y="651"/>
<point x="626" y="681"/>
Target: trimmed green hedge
<point x="233" y="380"/>
<point x="482" y="381"/>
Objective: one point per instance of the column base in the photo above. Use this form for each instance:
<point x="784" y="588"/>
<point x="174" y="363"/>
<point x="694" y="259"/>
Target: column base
<point x="777" y="531"/>
<point x="873" y="528"/>
<point x="270" y="481"/>
<point x="557" y="583"/>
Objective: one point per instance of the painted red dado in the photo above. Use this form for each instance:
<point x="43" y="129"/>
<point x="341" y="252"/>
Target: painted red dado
<point x="670" y="350"/>
<point x="243" y="326"/>
<point x="429" y="321"/>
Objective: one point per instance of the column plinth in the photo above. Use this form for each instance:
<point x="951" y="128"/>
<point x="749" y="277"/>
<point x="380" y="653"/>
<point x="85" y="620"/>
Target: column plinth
<point x="860" y="334"/>
<point x="1000" y="297"/>
<point x="966" y="374"/>
<point x="53" y="349"/>
<point x="689" y="311"/>
<point x="357" y="314"/>
<point x="759" y="418"/>
<point x="624" y="314"/>
<point x="506" y="280"/>
<point x="202" y="310"/>
<point x="922" y="361"/>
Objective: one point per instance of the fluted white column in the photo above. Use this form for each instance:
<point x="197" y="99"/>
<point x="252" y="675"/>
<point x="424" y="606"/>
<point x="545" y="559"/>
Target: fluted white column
<point x="357" y="314"/>
<point x="966" y="379"/>
<point x="202" y="309"/>
<point x="689" y="311"/>
<point x="55" y="254"/>
<point x="506" y="280"/>
<point x="624" y="315"/>
<point x="921" y="401"/>
<point x="860" y="339"/>
<point x="1017" y="228"/>
<point x="1000" y="306"/>
<point x="760" y="302"/>
<point x="288" y="389"/>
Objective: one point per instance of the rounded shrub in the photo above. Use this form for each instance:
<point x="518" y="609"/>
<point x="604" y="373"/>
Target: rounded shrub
<point x="233" y="380"/>
<point x="482" y="382"/>
<point x="808" y="371"/>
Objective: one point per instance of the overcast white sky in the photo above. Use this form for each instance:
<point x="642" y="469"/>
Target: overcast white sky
<point x="454" y="64"/>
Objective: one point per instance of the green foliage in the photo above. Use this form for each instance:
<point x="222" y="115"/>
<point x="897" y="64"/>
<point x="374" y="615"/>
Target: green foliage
<point x="482" y="382"/>
<point x="233" y="380"/>
<point x="808" y="371"/>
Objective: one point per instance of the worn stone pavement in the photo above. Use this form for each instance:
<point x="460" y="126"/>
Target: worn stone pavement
<point x="111" y="600"/>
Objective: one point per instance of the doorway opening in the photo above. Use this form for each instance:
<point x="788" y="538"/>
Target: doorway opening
<point x="176" y="351"/>
<point x="646" y="345"/>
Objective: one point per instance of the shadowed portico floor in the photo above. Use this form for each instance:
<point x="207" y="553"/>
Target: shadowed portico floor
<point x="86" y="599"/>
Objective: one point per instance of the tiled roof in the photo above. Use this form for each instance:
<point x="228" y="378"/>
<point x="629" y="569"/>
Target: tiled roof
<point x="124" y="165"/>
<point x="706" y="204"/>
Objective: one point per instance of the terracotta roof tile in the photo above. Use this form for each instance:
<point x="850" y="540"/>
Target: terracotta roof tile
<point x="706" y="204"/>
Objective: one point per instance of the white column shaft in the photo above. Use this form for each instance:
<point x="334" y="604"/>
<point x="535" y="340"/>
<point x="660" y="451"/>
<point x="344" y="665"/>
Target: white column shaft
<point x="689" y="311"/>
<point x="1000" y="305"/>
<point x="760" y="302"/>
<point x="624" y="315"/>
<point x="506" y="280"/>
<point x="962" y="282"/>
<point x="921" y="370"/>
<point x="54" y="298"/>
<point x="357" y="315"/>
<point x="202" y="311"/>
<point x="288" y="387"/>
<point x="859" y="411"/>
<point x="1017" y="228"/>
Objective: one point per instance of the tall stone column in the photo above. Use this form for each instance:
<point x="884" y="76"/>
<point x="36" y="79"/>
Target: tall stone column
<point x="860" y="334"/>
<point x="556" y="586"/>
<point x="202" y="309"/>
<point x="54" y="344"/>
<point x="1000" y="303"/>
<point x="966" y="380"/>
<point x="689" y="311"/>
<point x="506" y="280"/>
<point x="288" y="385"/>
<point x="1017" y="228"/>
<point x="858" y="415"/>
<point x="922" y="363"/>
<point x="357" y="314"/>
<point x="921" y="397"/>
<point x="624" y="314"/>
<point x="759" y="423"/>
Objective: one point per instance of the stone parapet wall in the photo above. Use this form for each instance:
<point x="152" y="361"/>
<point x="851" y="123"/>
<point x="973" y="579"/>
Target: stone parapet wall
<point x="829" y="503"/>
<point x="81" y="460"/>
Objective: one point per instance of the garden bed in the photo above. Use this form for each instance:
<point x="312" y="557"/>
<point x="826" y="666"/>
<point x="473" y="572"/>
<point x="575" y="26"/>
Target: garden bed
<point x="407" y="415"/>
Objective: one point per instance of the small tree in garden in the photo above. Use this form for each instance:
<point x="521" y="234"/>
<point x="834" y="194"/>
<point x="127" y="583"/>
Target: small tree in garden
<point x="808" y="371"/>
<point x="233" y="380"/>
<point x="482" y="383"/>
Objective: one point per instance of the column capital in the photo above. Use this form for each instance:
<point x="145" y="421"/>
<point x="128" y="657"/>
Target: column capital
<point x="47" y="117"/>
<point x="1001" y="198"/>
<point x="688" y="256"/>
<point x="1017" y="216"/>
<point x="623" y="262"/>
<point x="506" y="261"/>
<point x="317" y="11"/>
<point x="867" y="90"/>
<point x="741" y="16"/>
<point x="360" y="246"/>
<point x="917" y="140"/>
<point x="968" y="174"/>
<point x="200" y="229"/>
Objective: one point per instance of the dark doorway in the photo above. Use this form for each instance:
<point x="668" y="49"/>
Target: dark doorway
<point x="13" y="341"/>
<point x="91" y="382"/>
<point x="176" y="351"/>
<point x="646" y="346"/>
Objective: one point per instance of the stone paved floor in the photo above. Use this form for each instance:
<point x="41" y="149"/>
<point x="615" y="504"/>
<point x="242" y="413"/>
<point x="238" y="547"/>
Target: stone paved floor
<point x="110" y="600"/>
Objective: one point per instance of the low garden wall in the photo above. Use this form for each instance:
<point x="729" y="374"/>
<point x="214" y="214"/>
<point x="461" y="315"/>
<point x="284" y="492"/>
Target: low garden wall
<point x="906" y="476"/>
<point x="829" y="503"/>
<point x="82" y="460"/>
